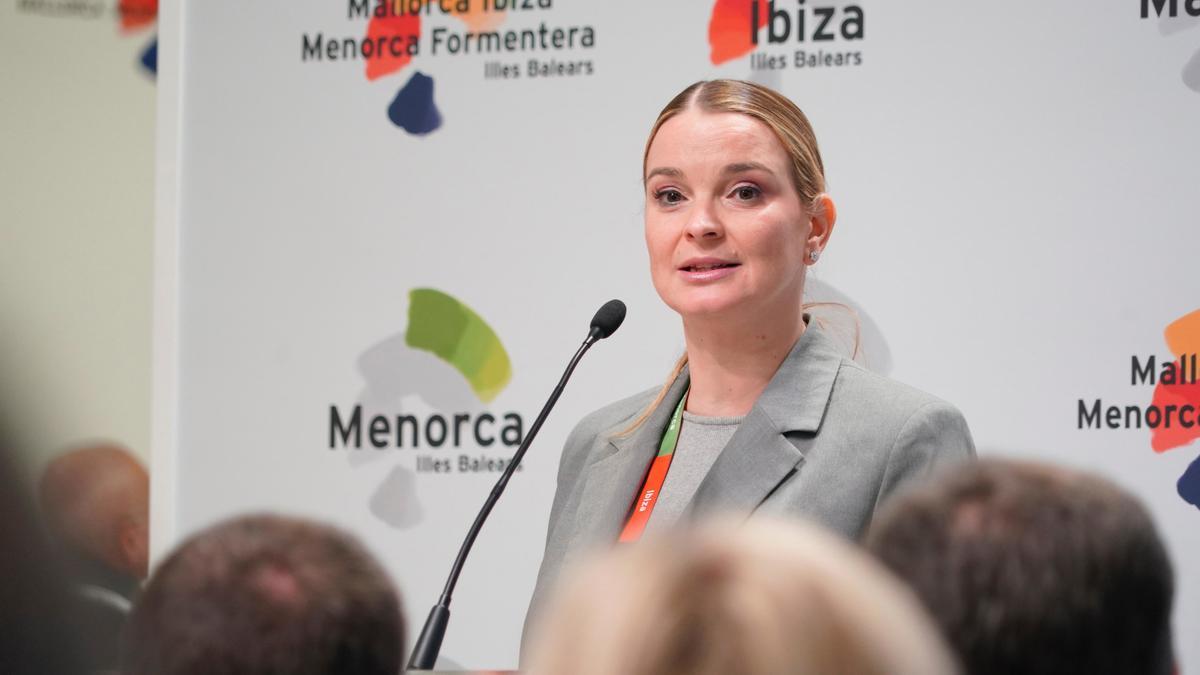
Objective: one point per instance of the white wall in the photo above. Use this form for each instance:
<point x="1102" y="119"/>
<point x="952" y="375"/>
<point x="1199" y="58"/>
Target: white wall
<point x="76" y="212"/>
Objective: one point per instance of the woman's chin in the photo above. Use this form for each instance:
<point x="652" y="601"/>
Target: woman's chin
<point x="710" y="308"/>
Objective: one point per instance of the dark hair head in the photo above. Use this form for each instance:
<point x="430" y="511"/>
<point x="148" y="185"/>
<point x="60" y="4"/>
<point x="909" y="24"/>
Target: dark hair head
<point x="1033" y="569"/>
<point x="267" y="595"/>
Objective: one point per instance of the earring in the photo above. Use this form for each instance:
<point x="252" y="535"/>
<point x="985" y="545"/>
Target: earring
<point x="814" y="254"/>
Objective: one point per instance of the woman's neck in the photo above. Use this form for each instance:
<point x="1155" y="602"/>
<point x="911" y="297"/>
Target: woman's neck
<point x="731" y="362"/>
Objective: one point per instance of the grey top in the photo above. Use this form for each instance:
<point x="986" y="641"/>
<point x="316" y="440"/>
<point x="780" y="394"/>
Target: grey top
<point x="701" y="439"/>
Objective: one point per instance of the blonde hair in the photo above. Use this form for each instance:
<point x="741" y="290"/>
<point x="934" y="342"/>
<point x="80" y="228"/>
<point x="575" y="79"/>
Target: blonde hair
<point x="756" y="597"/>
<point x="795" y="133"/>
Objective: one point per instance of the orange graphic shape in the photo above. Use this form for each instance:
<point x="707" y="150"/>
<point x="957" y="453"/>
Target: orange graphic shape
<point x="137" y="14"/>
<point x="729" y="31"/>
<point x="388" y="30"/>
<point x="1183" y="337"/>
<point x="478" y="20"/>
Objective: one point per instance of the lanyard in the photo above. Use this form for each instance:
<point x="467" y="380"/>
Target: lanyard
<point x="654" y="480"/>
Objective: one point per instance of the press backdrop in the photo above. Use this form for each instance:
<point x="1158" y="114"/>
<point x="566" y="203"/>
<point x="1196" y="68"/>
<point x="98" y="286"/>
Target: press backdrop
<point x="1016" y="188"/>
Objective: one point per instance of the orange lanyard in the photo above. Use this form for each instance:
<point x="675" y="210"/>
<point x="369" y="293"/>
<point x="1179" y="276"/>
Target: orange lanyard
<point x="644" y="506"/>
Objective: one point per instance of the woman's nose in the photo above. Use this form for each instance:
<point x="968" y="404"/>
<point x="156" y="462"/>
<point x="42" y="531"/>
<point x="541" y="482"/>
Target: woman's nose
<point x="704" y="223"/>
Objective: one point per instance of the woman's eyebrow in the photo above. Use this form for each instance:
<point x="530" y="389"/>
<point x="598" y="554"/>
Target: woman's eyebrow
<point x="664" y="171"/>
<point x="740" y="167"/>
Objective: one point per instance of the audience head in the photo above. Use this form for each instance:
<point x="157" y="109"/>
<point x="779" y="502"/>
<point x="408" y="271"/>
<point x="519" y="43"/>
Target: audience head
<point x="1033" y="569"/>
<point x="754" y="597"/>
<point x="96" y="501"/>
<point x="267" y="595"/>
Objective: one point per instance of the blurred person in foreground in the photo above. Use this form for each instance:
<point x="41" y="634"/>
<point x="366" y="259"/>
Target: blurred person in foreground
<point x="1034" y="569"/>
<point x="95" y="502"/>
<point x="729" y="597"/>
<point x="267" y="595"/>
<point x="39" y="633"/>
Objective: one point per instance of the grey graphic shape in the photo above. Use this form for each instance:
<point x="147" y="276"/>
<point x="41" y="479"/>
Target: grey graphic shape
<point x="873" y="351"/>
<point x="392" y="372"/>
<point x="1169" y="25"/>
<point x="395" y="500"/>
<point x="1191" y="73"/>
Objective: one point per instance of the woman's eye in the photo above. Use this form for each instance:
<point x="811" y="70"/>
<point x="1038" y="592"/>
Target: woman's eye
<point x="668" y="196"/>
<point x="746" y="192"/>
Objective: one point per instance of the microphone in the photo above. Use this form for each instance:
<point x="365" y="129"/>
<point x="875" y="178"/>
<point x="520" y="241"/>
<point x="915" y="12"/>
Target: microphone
<point x="606" y="322"/>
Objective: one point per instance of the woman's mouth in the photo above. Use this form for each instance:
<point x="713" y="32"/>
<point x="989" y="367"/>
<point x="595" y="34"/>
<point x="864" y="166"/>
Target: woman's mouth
<point x="706" y="267"/>
<point x="707" y="270"/>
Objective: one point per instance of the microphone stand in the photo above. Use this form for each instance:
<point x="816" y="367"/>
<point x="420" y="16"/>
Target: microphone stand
<point x="425" y="652"/>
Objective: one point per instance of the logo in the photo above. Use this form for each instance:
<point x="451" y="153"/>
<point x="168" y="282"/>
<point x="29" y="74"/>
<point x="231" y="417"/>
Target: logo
<point x="399" y="32"/>
<point x="788" y="34"/>
<point x="426" y="396"/>
<point x="443" y="326"/>
<point x="1173" y="415"/>
<point x="1178" y="388"/>
<point x="1171" y="7"/>
<point x="1171" y="20"/>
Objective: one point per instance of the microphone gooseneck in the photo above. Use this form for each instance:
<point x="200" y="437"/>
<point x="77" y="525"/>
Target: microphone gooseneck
<point x="606" y="321"/>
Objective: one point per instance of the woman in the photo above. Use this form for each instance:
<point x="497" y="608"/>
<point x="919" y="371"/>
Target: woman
<point x="755" y="599"/>
<point x="769" y="416"/>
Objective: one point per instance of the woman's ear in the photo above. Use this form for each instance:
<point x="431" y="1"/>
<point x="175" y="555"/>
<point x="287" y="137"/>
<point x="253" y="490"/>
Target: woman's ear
<point x="821" y="222"/>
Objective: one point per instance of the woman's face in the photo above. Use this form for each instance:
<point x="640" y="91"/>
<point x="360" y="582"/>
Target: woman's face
<point x="726" y="230"/>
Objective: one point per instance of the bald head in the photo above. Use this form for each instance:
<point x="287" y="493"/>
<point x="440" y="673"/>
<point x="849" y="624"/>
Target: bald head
<point x="96" y="500"/>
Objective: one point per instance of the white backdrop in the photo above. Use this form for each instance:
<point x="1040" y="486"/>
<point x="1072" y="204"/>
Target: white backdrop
<point x="1017" y="220"/>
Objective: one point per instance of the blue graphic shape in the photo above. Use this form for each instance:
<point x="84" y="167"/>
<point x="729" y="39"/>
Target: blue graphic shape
<point x="1189" y="484"/>
<point x="150" y="57"/>
<point x="413" y="108"/>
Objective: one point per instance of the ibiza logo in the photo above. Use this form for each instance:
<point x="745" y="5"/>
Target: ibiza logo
<point x="788" y="34"/>
<point x="398" y="32"/>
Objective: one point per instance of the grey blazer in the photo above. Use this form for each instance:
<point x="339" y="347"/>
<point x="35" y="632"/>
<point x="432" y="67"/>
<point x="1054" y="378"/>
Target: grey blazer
<point x="827" y="440"/>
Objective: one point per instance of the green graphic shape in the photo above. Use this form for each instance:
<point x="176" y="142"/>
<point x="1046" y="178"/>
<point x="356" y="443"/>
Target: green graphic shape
<point x="438" y="323"/>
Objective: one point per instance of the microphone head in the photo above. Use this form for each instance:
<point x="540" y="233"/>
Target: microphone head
<point x="608" y="319"/>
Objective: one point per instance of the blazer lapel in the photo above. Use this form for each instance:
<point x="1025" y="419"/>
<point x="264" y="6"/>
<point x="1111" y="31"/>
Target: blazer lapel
<point x="613" y="480"/>
<point x="769" y="444"/>
<point x="757" y="459"/>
